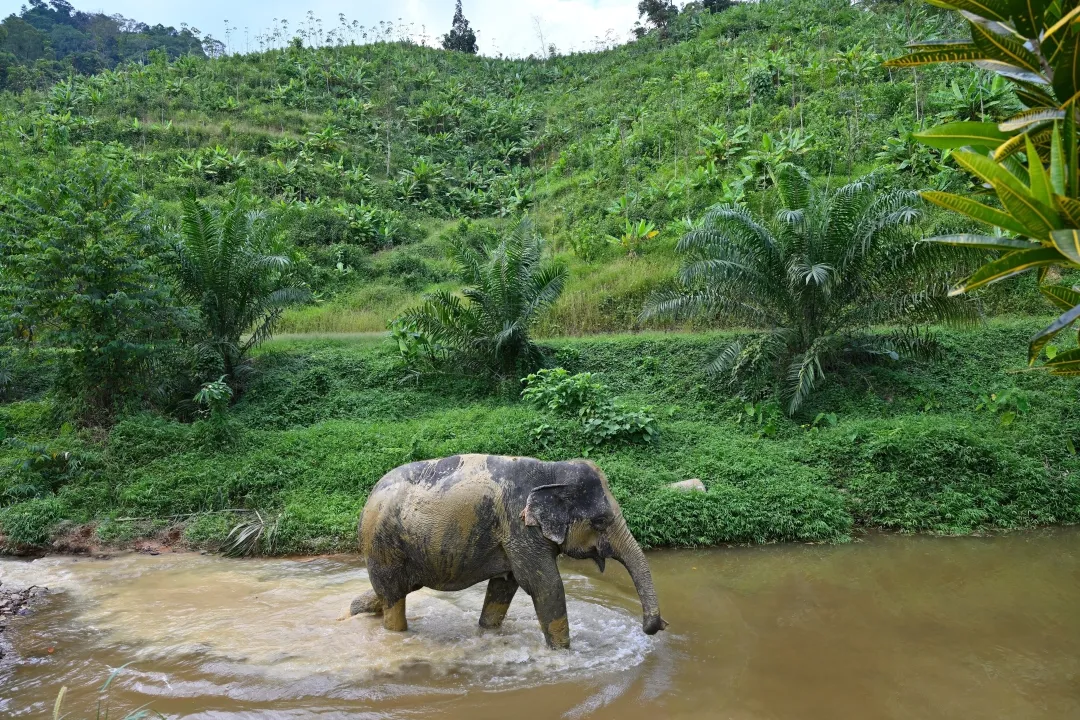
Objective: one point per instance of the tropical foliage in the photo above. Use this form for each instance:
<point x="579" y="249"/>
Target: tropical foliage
<point x="80" y="270"/>
<point x="227" y="270"/>
<point x="1036" y="47"/>
<point x="816" y="277"/>
<point x="507" y="288"/>
<point x="158" y="215"/>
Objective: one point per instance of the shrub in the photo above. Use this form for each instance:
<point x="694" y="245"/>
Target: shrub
<point x="764" y="511"/>
<point x="586" y="399"/>
<point x="509" y="288"/>
<point x="227" y="269"/>
<point x="816" y="278"/>
<point x="30" y="522"/>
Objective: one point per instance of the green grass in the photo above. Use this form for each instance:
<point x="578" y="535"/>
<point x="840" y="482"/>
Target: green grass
<point x="325" y="418"/>
<point x="367" y="309"/>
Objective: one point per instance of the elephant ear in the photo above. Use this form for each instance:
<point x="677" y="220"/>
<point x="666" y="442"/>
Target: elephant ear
<point x="548" y="508"/>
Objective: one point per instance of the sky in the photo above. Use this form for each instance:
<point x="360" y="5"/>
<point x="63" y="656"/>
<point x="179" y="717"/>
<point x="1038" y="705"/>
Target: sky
<point x="508" y="27"/>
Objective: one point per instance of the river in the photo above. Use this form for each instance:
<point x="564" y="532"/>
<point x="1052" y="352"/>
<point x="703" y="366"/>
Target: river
<point x="889" y="627"/>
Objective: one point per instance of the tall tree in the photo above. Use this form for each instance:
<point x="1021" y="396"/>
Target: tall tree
<point x="461" y="37"/>
<point x="658" y="14"/>
<point x="77" y="271"/>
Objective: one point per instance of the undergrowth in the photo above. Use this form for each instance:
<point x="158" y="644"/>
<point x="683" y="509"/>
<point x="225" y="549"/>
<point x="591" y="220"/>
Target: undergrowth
<point x="912" y="447"/>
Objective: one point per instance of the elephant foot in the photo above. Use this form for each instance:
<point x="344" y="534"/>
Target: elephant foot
<point x="492" y="616"/>
<point x="557" y="634"/>
<point x="369" y="602"/>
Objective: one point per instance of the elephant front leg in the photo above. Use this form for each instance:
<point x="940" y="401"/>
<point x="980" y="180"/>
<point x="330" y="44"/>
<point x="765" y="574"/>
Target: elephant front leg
<point x="497" y="601"/>
<point x="544" y="584"/>
<point x="550" y="604"/>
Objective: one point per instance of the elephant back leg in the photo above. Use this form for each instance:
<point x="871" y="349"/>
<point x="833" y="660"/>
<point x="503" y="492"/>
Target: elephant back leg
<point x="391" y="582"/>
<point x="500" y="592"/>
<point x="369" y="602"/>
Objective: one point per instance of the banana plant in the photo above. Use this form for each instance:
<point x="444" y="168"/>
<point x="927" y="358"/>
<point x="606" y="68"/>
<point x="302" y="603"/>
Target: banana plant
<point x="1035" y="45"/>
<point x="634" y="236"/>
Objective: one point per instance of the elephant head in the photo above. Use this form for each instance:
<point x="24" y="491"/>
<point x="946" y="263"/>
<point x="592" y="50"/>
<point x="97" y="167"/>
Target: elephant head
<point x="578" y="513"/>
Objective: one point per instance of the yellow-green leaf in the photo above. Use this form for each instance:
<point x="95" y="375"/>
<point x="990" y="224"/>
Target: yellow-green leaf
<point x="1040" y="183"/>
<point x="965" y="52"/>
<point x="1005" y="267"/>
<point x="987" y="170"/>
<point x="1064" y="297"/>
<point x="1066" y="62"/>
<point x="1057" y="163"/>
<point x="975" y="210"/>
<point x="1065" y="363"/>
<point x="960" y="134"/>
<point x="1068" y="243"/>
<point x="1004" y="48"/>
<point x="1040" y="339"/>
<point x="1071" y="16"/>
<point x="1009" y="147"/>
<point x="1039" y="134"/>
<point x="1028" y="16"/>
<point x="1069" y="209"/>
<point x="984" y="242"/>
<point x="1029" y="117"/>
<point x="1037" y="217"/>
<point x="989" y="9"/>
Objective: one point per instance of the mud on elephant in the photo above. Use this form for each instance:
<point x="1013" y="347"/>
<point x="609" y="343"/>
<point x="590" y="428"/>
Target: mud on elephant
<point x="451" y="523"/>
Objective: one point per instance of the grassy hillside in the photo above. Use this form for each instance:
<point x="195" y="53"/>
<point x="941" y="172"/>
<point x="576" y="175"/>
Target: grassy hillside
<point x="915" y="448"/>
<point x="369" y="154"/>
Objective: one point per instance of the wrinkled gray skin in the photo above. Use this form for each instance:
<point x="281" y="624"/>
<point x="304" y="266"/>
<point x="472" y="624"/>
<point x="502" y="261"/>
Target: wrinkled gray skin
<point x="451" y="523"/>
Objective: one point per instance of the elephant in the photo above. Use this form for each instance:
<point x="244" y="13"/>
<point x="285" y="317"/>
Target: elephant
<point x="450" y="523"/>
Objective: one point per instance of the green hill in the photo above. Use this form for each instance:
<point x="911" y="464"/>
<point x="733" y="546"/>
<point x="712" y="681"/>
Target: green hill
<point x="368" y="154"/>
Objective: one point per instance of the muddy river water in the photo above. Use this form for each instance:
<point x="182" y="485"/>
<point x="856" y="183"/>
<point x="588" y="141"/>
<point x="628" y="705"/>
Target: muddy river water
<point x="889" y="627"/>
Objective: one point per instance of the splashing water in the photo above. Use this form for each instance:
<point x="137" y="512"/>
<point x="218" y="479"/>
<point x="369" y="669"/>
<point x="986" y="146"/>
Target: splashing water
<point x="286" y="622"/>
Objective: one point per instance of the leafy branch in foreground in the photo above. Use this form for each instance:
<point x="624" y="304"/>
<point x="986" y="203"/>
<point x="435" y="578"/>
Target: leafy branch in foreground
<point x="508" y="288"/>
<point x="814" y="278"/>
<point x="1030" y="160"/>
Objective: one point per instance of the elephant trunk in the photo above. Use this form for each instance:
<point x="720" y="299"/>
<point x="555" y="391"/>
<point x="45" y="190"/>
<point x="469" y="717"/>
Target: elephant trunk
<point x="625" y="549"/>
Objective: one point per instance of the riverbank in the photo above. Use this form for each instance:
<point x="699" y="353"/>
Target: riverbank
<point x="960" y="445"/>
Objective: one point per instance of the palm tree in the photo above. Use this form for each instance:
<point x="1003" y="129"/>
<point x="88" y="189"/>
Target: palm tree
<point x="487" y="328"/>
<point x="815" y="279"/>
<point x="225" y="271"/>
